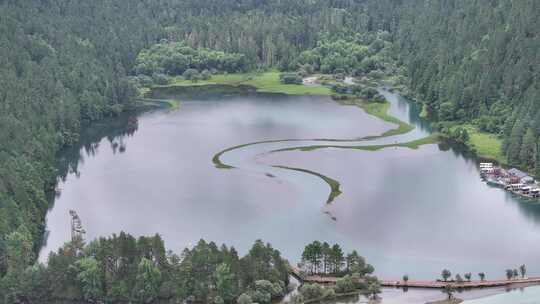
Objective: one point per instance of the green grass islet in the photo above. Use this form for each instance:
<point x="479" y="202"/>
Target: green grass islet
<point x="269" y="82"/>
<point x="379" y="110"/>
<point x="415" y="144"/>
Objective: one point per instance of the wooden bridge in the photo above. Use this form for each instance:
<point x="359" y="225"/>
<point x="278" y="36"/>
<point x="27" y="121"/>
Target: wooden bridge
<point x="465" y="284"/>
<point x="303" y="278"/>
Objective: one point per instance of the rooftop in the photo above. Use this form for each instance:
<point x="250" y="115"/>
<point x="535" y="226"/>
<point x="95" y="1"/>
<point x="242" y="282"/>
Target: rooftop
<point x="518" y="173"/>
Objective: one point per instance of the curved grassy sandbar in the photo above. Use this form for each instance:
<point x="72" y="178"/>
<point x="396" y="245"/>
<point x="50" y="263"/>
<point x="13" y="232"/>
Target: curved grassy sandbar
<point x="334" y="184"/>
<point x="244" y="84"/>
<point x="380" y="110"/>
<point x="415" y="144"/>
<point x="220" y="165"/>
<point x="166" y="95"/>
<point x="412" y="144"/>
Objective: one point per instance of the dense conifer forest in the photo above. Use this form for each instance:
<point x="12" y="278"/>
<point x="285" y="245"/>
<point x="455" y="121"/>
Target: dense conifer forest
<point x="477" y="62"/>
<point x="65" y="64"/>
<point x="123" y="269"/>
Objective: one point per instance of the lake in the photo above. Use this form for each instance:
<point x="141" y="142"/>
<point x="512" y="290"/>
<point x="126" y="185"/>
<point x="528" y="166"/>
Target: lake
<point x="407" y="211"/>
<point x="529" y="295"/>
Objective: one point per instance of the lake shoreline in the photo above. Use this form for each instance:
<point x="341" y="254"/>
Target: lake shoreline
<point x="263" y="82"/>
<point x="411" y="144"/>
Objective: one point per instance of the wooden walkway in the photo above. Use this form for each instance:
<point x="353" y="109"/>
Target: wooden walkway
<point x="419" y="284"/>
<point x="466" y="284"/>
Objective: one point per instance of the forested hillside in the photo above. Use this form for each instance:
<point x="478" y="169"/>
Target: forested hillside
<point x="123" y="269"/>
<point x="64" y="64"/>
<point x="478" y="62"/>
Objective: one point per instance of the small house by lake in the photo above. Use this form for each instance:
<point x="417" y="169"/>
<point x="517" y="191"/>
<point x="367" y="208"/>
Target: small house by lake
<point x="486" y="168"/>
<point x="519" y="176"/>
<point x="513" y="180"/>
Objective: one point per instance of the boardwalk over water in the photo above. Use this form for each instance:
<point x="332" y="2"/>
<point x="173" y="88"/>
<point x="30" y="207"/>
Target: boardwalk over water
<point x="420" y="284"/>
<point x="466" y="284"/>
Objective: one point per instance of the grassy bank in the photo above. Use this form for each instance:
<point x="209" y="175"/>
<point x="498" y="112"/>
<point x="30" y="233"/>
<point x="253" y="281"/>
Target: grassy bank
<point x="266" y="82"/>
<point x="486" y="145"/>
<point x="380" y="110"/>
<point x="172" y="104"/>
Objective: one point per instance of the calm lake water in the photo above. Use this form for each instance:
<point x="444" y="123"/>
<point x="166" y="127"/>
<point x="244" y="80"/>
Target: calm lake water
<point x="529" y="295"/>
<point x="407" y="211"/>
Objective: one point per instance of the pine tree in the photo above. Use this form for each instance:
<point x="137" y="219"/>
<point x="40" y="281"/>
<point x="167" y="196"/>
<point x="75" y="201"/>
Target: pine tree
<point x="528" y="153"/>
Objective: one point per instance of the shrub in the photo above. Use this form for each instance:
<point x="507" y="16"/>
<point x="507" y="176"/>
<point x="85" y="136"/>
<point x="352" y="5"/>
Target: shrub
<point x="206" y="75"/>
<point x="311" y="291"/>
<point x="339" y="75"/>
<point x="144" y="80"/>
<point x="367" y="92"/>
<point x="341" y="89"/>
<point x="290" y="78"/>
<point x="329" y="293"/>
<point x="244" y="299"/>
<point x="259" y="296"/>
<point x="274" y="289"/>
<point x="379" y="98"/>
<point x="191" y="74"/>
<point x="345" y="284"/>
<point x="160" y="79"/>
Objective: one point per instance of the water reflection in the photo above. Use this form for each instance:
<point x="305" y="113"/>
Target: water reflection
<point x="530" y="295"/>
<point x="528" y="208"/>
<point x="114" y="130"/>
<point x="165" y="181"/>
<point x="408" y="211"/>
